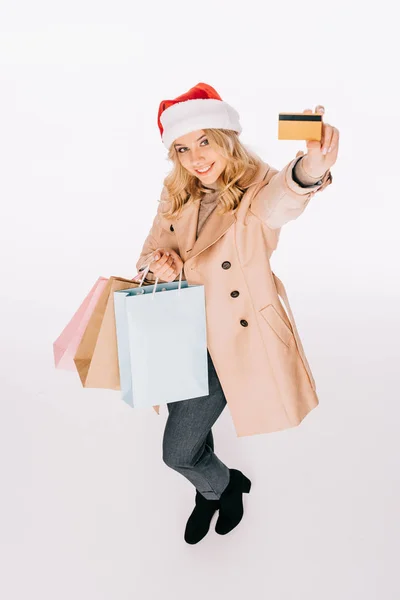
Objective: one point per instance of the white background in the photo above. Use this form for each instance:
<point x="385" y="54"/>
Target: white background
<point x="88" y="509"/>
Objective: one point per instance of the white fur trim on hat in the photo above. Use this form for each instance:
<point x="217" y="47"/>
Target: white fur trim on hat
<point x="201" y="113"/>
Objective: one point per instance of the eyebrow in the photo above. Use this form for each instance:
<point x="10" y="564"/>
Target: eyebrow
<point x="204" y="135"/>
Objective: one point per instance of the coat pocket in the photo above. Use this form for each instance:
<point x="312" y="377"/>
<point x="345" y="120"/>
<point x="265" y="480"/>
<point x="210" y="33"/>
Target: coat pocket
<point x="277" y="323"/>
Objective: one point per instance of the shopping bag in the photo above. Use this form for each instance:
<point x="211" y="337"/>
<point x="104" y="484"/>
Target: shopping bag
<point x="66" y="344"/>
<point x="162" y="343"/>
<point x="96" y="357"/>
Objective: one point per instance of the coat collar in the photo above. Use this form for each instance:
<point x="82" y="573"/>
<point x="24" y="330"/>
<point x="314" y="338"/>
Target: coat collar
<point x="215" y="226"/>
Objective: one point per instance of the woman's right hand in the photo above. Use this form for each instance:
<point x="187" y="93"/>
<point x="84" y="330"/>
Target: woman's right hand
<point x="166" y="264"/>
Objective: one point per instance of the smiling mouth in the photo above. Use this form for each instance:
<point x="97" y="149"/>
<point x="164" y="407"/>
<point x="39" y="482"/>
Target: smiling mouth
<point x="206" y="171"/>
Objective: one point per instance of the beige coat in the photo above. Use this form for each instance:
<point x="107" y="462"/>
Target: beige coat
<point x="262" y="366"/>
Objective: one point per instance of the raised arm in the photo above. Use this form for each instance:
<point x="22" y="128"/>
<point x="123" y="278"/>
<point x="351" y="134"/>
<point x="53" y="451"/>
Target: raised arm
<point x="285" y="194"/>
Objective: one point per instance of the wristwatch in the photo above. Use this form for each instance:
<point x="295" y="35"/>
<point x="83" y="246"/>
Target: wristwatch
<point x="296" y="180"/>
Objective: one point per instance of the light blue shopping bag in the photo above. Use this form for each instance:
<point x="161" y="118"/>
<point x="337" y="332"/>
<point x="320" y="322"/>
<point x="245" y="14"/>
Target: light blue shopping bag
<point x="162" y="343"/>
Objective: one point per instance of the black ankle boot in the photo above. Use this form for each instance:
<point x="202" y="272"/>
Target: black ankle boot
<point x="199" y="521"/>
<point x="231" y="502"/>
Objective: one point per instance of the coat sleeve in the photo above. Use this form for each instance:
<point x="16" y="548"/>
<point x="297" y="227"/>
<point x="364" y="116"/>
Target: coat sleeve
<point x="150" y="244"/>
<point x="280" y="199"/>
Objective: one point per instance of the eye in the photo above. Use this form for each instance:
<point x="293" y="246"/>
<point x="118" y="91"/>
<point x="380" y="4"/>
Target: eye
<point x="185" y="148"/>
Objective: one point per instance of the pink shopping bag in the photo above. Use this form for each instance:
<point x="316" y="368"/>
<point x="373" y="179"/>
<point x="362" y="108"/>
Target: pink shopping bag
<point x="65" y="346"/>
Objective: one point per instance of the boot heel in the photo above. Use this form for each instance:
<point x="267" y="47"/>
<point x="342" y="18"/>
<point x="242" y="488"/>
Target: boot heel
<point x="246" y="484"/>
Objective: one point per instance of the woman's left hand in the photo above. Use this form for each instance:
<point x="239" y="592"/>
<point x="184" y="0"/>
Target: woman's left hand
<point x="321" y="155"/>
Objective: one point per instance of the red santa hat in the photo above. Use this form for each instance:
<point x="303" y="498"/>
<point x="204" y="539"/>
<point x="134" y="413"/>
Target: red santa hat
<point x="199" y="108"/>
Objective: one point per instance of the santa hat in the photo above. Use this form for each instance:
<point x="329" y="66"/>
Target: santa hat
<point x="199" y="108"/>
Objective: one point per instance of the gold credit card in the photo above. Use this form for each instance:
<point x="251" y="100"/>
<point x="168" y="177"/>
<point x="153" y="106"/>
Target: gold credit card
<point x="299" y="126"/>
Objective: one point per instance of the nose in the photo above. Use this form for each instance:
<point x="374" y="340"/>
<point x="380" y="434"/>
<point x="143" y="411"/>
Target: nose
<point x="197" y="158"/>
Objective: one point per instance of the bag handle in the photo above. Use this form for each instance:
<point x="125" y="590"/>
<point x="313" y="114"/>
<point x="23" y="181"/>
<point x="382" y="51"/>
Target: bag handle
<point x="146" y="270"/>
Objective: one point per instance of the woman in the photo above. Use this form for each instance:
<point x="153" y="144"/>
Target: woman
<point x="219" y="220"/>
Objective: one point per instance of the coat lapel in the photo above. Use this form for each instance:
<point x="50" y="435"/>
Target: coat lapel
<point x="214" y="228"/>
<point x="186" y="228"/>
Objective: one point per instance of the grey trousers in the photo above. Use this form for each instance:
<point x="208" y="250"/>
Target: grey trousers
<point x="188" y="444"/>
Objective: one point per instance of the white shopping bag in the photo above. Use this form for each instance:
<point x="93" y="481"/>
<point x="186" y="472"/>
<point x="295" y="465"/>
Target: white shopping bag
<point x="162" y="342"/>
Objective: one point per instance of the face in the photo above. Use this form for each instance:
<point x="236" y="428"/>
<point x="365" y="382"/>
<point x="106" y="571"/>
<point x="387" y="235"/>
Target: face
<point x="198" y="157"/>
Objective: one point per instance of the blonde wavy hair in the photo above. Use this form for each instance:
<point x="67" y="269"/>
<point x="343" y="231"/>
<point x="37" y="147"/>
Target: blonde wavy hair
<point x="242" y="164"/>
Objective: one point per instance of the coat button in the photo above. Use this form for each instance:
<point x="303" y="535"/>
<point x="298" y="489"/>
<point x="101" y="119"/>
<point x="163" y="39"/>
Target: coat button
<point x="243" y="323"/>
<point x="235" y="294"/>
<point x="171" y="228"/>
<point x="226" y="264"/>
